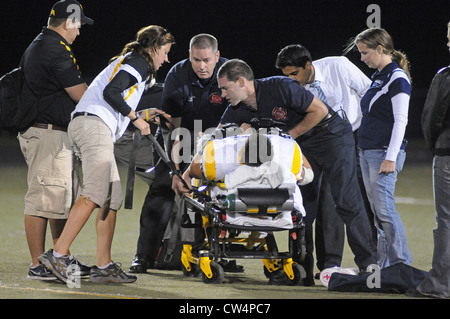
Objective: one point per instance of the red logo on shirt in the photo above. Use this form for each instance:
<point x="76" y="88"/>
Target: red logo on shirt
<point x="279" y="113"/>
<point x="215" y="98"/>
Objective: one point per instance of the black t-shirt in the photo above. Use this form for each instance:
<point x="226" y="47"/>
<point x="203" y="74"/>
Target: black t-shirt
<point x="279" y="99"/>
<point x="50" y="66"/>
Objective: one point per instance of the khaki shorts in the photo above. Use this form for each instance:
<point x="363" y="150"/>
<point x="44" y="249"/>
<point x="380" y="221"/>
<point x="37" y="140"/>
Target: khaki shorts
<point x="49" y="158"/>
<point x="92" y="143"/>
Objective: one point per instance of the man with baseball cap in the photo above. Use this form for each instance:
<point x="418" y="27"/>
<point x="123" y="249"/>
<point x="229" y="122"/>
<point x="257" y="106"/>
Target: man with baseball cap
<point x="52" y="73"/>
<point x="66" y="9"/>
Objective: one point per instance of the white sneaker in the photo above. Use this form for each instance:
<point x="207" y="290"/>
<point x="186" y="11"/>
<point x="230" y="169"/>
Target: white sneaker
<point x="325" y="275"/>
<point x="349" y="271"/>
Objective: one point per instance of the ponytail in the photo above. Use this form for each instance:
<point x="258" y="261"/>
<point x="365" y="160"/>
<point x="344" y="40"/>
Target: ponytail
<point x="151" y="37"/>
<point x="402" y="61"/>
<point x="137" y="47"/>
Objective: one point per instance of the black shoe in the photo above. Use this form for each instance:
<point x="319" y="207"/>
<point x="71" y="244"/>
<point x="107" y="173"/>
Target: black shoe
<point x="40" y="273"/>
<point x="230" y="266"/>
<point x="364" y="271"/>
<point x="83" y="270"/>
<point x="309" y="281"/>
<point x="139" y="265"/>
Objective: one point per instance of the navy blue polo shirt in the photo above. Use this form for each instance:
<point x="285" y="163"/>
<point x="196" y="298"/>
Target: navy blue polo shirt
<point x="50" y="66"/>
<point x="279" y="98"/>
<point x="188" y="97"/>
<point x="376" y="105"/>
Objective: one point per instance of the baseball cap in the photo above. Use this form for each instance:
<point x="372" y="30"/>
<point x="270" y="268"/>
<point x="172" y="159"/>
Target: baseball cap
<point x="70" y="9"/>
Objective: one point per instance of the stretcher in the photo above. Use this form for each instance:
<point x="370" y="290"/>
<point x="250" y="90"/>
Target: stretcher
<point x="219" y="222"/>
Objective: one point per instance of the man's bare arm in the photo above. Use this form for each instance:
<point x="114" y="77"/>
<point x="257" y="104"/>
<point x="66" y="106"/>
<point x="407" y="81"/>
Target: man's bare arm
<point x="76" y="92"/>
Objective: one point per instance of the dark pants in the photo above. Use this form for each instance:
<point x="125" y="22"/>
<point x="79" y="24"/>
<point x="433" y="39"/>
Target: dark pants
<point x="329" y="232"/>
<point x="331" y="149"/>
<point x="156" y="213"/>
<point x="329" y="227"/>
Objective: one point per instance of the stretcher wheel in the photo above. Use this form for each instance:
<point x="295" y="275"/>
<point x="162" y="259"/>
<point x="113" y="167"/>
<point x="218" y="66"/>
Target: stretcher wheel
<point x="267" y="273"/>
<point x="193" y="272"/>
<point x="217" y="274"/>
<point x="299" y="275"/>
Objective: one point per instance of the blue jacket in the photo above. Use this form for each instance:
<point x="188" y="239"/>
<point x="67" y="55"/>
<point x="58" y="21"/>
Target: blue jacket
<point x="376" y="105"/>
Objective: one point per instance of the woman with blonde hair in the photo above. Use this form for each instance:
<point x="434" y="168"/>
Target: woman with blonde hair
<point x="381" y="140"/>
<point x="99" y="119"/>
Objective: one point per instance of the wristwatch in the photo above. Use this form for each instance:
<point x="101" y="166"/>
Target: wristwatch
<point x="172" y="174"/>
<point x="137" y="116"/>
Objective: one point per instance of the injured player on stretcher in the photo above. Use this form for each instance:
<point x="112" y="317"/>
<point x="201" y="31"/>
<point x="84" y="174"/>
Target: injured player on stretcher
<point x="263" y="159"/>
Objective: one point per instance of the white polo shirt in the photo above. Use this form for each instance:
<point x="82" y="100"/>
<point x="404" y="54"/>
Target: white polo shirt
<point x="344" y="84"/>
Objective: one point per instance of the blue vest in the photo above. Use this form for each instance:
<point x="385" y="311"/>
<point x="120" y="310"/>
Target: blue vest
<point x="376" y="106"/>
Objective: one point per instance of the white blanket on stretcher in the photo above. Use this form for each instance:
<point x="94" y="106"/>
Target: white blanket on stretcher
<point x="268" y="175"/>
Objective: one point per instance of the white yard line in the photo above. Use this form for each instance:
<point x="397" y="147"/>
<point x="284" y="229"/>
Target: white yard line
<point x="413" y="201"/>
<point x="70" y="292"/>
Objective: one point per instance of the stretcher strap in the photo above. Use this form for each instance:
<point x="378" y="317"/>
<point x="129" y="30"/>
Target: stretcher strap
<point x="131" y="172"/>
<point x="175" y="230"/>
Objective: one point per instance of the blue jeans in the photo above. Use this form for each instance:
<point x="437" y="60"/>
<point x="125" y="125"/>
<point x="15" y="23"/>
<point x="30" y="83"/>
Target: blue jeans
<point x="392" y="247"/>
<point x="437" y="282"/>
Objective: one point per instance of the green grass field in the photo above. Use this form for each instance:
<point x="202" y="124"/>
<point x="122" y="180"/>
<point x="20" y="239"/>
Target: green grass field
<point x="414" y="196"/>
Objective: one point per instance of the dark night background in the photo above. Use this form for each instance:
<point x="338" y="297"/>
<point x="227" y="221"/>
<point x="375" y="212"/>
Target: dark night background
<point x="252" y="30"/>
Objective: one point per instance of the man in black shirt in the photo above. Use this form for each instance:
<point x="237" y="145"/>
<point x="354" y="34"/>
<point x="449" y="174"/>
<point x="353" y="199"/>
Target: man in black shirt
<point x="326" y="140"/>
<point x="52" y="72"/>
<point x="192" y="97"/>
